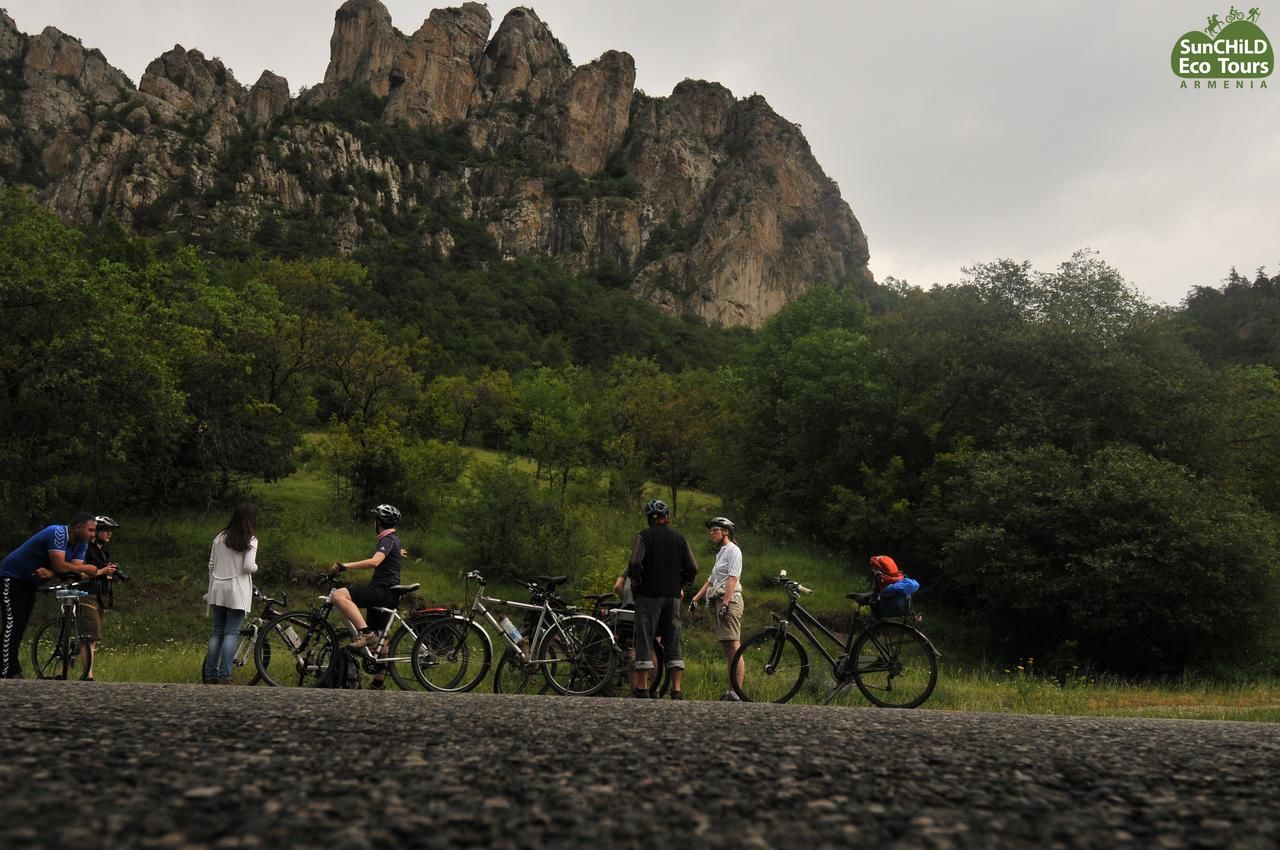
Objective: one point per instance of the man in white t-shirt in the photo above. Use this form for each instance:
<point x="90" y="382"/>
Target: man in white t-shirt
<point x="723" y="590"/>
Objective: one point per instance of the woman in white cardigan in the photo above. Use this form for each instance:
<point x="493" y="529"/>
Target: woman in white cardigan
<point x="232" y="561"/>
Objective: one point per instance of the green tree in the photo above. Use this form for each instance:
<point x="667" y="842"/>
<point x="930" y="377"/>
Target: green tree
<point x="552" y="421"/>
<point x="1127" y="557"/>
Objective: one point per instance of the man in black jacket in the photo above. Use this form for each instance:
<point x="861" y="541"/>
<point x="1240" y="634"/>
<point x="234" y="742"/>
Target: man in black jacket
<point x="661" y="564"/>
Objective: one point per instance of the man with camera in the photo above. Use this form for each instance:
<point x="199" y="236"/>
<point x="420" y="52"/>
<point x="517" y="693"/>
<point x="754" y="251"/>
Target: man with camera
<point x="93" y="608"/>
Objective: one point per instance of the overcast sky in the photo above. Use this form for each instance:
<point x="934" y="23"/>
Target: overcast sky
<point x="958" y="132"/>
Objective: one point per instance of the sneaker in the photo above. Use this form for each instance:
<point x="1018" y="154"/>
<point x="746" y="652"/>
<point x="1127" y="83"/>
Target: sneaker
<point x="363" y="639"/>
<point x="677" y="694"/>
<point x="640" y="693"/>
<point x="730" y="696"/>
<point x="378" y="684"/>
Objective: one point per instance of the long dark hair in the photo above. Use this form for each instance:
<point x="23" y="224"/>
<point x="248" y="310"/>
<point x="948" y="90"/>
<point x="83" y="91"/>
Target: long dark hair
<point x="241" y="528"/>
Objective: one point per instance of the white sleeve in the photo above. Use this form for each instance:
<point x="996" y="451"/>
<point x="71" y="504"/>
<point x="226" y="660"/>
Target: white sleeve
<point x="733" y="562"/>
<point x="251" y="556"/>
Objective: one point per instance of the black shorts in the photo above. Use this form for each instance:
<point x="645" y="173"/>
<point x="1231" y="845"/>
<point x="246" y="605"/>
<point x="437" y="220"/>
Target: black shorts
<point x="369" y="596"/>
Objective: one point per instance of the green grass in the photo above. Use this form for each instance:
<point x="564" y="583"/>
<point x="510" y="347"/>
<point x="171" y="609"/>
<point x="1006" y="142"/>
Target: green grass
<point x="157" y="632"/>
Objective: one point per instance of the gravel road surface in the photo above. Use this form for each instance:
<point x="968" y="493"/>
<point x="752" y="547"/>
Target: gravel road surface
<point x="189" y="766"/>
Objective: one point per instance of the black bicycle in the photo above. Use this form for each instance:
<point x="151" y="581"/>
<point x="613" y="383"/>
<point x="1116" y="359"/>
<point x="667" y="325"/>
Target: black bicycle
<point x="58" y="644"/>
<point x="300" y="648"/>
<point x="621" y="621"/>
<point x="890" y="662"/>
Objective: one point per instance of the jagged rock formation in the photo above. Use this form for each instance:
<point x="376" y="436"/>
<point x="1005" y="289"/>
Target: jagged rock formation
<point x="703" y="201"/>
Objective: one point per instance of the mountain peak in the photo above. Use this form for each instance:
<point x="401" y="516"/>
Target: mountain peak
<point x="700" y="201"/>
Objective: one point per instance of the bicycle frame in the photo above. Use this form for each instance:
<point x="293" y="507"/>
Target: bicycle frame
<point x="796" y="615"/>
<point x="253" y="626"/>
<point x="531" y="640"/>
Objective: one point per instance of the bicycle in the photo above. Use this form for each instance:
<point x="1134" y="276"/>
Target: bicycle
<point x="514" y="673"/>
<point x="893" y="664"/>
<point x="574" y="652"/>
<point x="55" y="650"/>
<point x="299" y="648"/>
<point x="244" y="670"/>
<point x="621" y="621"/>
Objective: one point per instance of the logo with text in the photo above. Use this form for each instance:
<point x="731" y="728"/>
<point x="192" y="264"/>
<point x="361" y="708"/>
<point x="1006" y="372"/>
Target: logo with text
<point x="1231" y="52"/>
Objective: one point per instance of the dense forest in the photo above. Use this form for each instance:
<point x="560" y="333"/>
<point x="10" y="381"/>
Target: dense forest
<point x="1084" y="474"/>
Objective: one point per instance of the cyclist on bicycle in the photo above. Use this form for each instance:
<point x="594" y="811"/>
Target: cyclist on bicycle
<point x="55" y="550"/>
<point x="723" y="591"/>
<point x="661" y="563"/>
<point x="385" y="563"/>
<point x="93" y="608"/>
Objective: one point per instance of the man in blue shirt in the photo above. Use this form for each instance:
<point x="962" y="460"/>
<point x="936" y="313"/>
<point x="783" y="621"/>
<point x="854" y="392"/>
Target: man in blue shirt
<point x="56" y="550"/>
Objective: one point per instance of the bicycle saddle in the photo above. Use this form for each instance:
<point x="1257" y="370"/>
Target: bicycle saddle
<point x="550" y="583"/>
<point x="860" y="598"/>
<point x="402" y="589"/>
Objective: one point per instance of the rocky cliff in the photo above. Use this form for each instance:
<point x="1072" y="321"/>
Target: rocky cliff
<point x="703" y="202"/>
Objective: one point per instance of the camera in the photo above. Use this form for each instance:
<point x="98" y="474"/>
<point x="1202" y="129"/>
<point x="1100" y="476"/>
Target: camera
<point x="120" y="575"/>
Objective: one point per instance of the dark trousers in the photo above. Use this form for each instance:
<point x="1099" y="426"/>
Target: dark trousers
<point x="17" y="598"/>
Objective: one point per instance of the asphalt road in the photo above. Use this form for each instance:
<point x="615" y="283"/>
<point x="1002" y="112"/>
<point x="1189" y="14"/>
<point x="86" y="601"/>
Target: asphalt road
<point x="190" y="766"/>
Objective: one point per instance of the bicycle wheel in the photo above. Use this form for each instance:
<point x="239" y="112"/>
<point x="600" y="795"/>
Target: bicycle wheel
<point x="49" y="658"/>
<point x="894" y="666"/>
<point x="296" y="650"/>
<point x="244" y="669"/>
<point x="399" y="657"/>
<point x="513" y="675"/>
<point x="774" y="666"/>
<point x="452" y="655"/>
<point x="577" y="656"/>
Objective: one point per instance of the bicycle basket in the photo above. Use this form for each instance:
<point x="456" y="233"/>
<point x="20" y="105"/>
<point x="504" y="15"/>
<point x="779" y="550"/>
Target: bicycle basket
<point x="886" y="607"/>
<point x="623" y="621"/>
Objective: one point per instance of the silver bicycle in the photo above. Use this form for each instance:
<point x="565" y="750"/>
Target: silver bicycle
<point x="573" y="652"/>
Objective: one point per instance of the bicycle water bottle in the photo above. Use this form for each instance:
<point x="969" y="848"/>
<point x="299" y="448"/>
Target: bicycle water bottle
<point x="510" y="628"/>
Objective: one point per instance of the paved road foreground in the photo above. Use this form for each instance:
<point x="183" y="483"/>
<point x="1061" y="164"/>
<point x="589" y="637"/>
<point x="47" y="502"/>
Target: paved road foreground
<point x="186" y="766"/>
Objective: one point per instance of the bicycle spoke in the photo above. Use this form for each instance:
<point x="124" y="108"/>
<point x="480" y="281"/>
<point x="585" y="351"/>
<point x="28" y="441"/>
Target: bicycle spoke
<point x="296" y="650"/>
<point x="775" y="666"/>
<point x="579" y="656"/>
<point x="516" y="676"/>
<point x="47" y="651"/>
<point x="399" y="657"/>
<point x="895" y="667"/>
<point x="451" y="654"/>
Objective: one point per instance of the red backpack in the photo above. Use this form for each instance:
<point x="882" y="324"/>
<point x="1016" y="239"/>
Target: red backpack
<point x="884" y="572"/>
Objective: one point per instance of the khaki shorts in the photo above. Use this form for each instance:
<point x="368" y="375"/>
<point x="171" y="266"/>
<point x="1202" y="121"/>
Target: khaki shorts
<point x="728" y="627"/>
<point x="90" y="621"/>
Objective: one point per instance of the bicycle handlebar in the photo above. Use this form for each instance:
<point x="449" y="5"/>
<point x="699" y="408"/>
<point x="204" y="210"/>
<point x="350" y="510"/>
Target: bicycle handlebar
<point x="791" y="585"/>
<point x="66" y="585"/>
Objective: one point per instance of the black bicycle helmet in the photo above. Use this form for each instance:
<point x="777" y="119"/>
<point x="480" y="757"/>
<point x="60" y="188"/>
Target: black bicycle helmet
<point x="720" y="522"/>
<point x="389" y="514"/>
<point x="656" y="508"/>
<point x="105" y="521"/>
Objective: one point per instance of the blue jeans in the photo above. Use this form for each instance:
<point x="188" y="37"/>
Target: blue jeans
<point x="223" y="642"/>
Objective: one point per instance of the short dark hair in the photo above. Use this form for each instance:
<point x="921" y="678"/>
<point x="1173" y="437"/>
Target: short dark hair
<point x="80" y="519"/>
